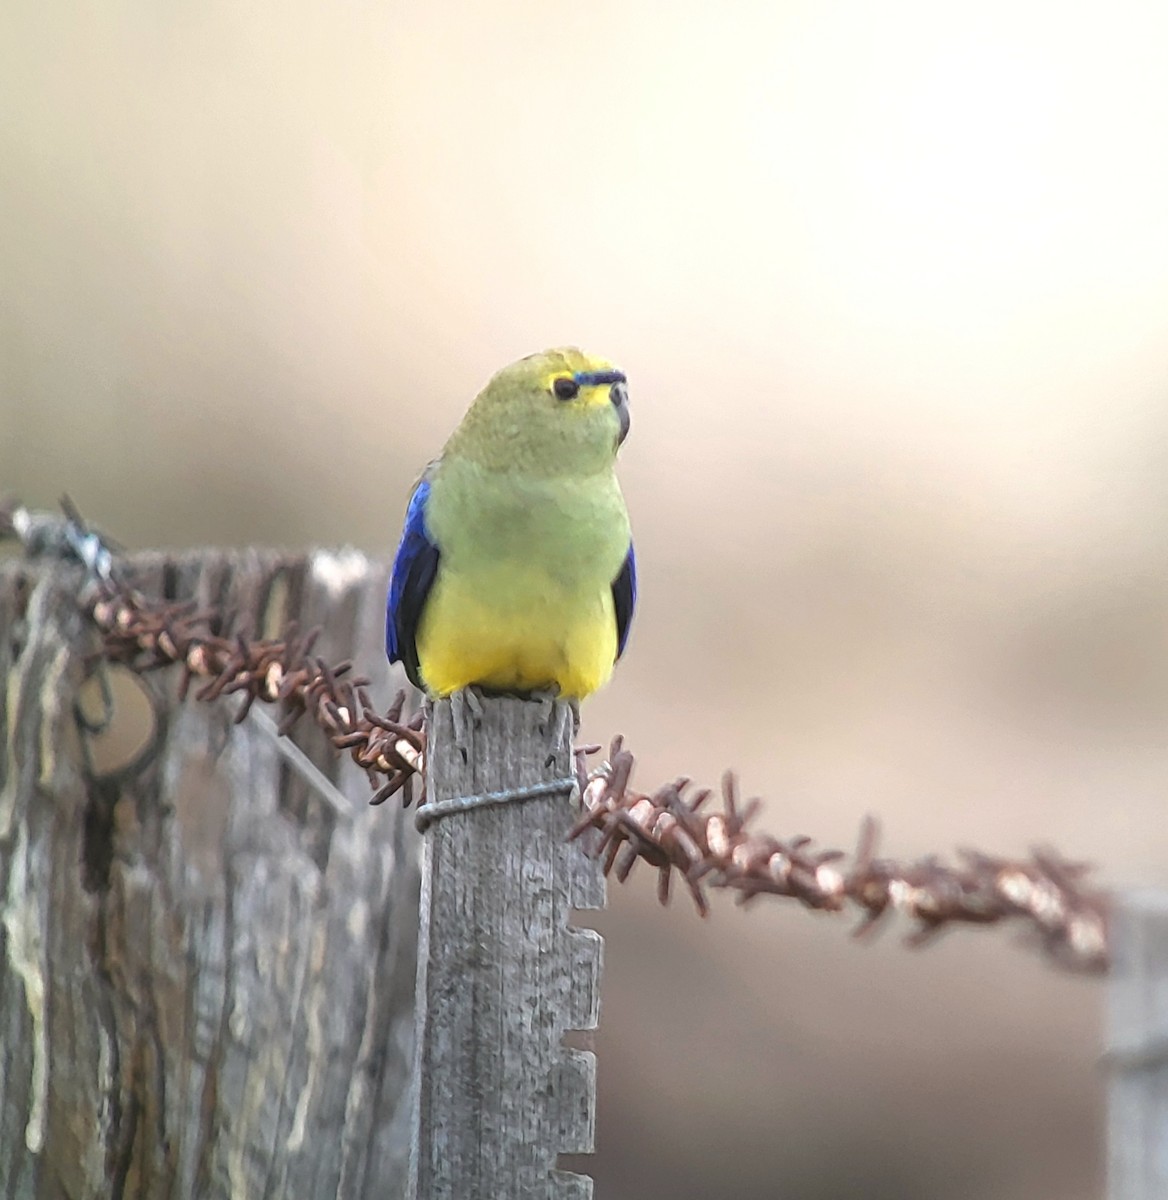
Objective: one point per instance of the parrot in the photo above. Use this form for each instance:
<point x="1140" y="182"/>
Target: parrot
<point x="515" y="571"/>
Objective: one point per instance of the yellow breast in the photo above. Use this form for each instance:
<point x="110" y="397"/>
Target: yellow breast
<point x="515" y="638"/>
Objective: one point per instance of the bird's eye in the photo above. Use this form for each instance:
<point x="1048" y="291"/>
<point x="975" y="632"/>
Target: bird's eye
<point x="566" y="388"/>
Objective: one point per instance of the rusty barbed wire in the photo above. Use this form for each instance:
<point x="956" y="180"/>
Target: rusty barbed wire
<point x="668" y="831"/>
<point x="147" y="635"/>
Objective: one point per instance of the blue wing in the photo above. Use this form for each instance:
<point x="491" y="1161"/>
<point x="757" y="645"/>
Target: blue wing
<point x="624" y="599"/>
<point x="414" y="568"/>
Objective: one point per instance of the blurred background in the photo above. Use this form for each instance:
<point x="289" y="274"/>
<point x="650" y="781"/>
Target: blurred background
<point x="890" y="283"/>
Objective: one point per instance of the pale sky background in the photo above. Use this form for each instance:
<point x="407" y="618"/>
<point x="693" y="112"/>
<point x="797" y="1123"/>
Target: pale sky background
<point x="890" y="283"/>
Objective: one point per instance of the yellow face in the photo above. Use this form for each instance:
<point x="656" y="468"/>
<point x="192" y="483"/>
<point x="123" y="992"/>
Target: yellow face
<point x="561" y="367"/>
<point x="580" y="382"/>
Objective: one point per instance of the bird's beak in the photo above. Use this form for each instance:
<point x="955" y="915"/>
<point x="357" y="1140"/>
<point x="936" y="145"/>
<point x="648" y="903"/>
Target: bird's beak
<point x="619" y="396"/>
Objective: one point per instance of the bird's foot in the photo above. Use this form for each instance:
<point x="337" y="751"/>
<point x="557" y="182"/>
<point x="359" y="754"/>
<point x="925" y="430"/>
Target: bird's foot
<point x="466" y="711"/>
<point x="560" y="717"/>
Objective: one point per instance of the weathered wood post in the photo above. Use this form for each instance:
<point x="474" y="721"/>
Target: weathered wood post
<point x="501" y="976"/>
<point x="1138" y="1048"/>
<point x="207" y="958"/>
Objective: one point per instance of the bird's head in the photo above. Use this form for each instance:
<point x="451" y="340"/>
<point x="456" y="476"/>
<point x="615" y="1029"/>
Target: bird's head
<point x="559" y="411"/>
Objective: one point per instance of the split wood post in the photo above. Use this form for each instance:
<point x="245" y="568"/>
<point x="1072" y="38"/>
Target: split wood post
<point x="207" y="959"/>
<point x="1138" y="1050"/>
<point x="501" y="975"/>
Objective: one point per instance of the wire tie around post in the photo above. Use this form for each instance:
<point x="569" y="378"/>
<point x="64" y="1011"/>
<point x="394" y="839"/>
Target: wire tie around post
<point x="432" y="810"/>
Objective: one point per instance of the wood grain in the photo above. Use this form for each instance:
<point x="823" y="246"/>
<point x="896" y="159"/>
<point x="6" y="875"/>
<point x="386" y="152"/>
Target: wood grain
<point x="502" y="975"/>
<point x="206" y="961"/>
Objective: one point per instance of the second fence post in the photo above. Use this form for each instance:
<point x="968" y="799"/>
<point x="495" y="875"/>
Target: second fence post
<point x="1138" y="1050"/>
<point x="501" y="975"/>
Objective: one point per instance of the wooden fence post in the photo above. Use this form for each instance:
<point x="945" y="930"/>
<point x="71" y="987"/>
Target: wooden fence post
<point x="501" y="976"/>
<point x="1138" y="1048"/>
<point x="206" y="960"/>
